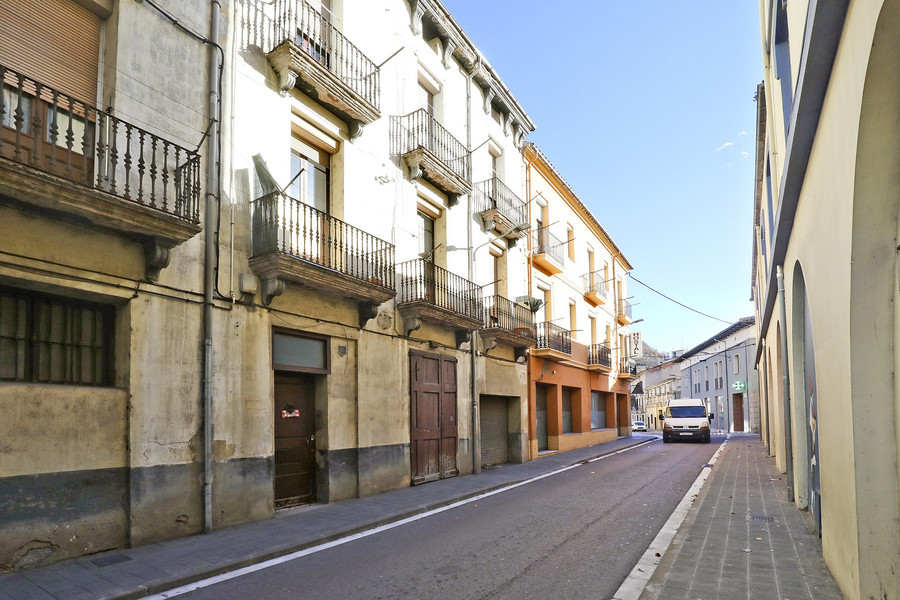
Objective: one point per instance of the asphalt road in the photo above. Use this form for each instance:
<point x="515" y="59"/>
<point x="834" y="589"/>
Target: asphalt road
<point x="576" y="534"/>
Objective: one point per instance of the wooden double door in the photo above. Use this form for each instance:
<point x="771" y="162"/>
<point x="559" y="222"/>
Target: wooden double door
<point x="434" y="427"/>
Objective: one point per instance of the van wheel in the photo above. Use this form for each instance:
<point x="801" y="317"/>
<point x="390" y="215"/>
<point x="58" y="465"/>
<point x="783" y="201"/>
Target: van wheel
<point x="665" y="439"/>
<point x="708" y="439"/>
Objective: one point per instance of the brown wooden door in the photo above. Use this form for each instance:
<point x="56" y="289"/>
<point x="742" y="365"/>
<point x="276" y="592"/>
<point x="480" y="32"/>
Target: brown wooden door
<point x="737" y="411"/>
<point x="433" y="419"/>
<point x="295" y="445"/>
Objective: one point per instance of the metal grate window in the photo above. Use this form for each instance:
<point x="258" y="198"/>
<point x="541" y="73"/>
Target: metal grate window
<point x="48" y="339"/>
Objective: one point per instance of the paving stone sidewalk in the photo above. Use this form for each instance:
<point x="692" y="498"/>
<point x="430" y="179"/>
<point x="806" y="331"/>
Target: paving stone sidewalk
<point x="743" y="539"/>
<point x="139" y="572"/>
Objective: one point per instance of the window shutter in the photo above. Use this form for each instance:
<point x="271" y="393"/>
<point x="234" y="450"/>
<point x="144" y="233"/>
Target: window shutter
<point x="55" y="42"/>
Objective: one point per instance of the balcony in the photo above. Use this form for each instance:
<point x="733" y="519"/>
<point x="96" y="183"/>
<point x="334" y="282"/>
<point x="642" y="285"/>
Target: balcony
<point x="553" y="342"/>
<point x="599" y="358"/>
<point x="294" y="242"/>
<point x="548" y="251"/>
<point x="623" y="315"/>
<point x="501" y="210"/>
<point x="432" y="153"/>
<point x="507" y="322"/>
<point x="307" y="51"/>
<point x="64" y="157"/>
<point x="432" y="294"/>
<point x="627" y="369"/>
<point x="595" y="287"/>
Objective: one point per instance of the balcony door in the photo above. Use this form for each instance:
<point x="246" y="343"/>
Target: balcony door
<point x="426" y="251"/>
<point x="306" y="220"/>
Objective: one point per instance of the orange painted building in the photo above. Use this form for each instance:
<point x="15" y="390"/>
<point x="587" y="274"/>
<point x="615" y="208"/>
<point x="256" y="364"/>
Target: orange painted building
<point x="579" y="370"/>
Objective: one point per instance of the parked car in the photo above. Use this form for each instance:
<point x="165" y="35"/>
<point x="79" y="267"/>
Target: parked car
<point x="639" y="426"/>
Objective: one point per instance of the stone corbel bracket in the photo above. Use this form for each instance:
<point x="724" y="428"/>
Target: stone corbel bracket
<point x="410" y="324"/>
<point x="156" y="258"/>
<point x="463" y="336"/>
<point x="367" y="312"/>
<point x="271" y="287"/>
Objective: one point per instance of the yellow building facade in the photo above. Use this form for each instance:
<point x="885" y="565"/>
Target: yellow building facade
<point x="825" y="276"/>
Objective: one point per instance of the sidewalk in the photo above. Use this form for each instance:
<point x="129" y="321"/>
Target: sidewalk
<point x="743" y="539"/>
<point x="145" y="570"/>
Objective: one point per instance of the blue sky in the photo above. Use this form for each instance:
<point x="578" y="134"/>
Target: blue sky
<point x="646" y="108"/>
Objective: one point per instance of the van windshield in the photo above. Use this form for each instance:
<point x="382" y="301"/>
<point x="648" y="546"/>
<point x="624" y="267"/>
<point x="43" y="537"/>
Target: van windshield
<point x="682" y="412"/>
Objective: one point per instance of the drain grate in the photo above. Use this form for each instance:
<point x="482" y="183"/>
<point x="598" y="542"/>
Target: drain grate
<point x="112" y="559"/>
<point x="761" y="518"/>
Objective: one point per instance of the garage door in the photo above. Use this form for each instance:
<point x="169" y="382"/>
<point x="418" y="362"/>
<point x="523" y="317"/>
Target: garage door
<point x="494" y="428"/>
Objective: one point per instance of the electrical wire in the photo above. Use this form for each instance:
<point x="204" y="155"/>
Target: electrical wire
<point x="699" y="312"/>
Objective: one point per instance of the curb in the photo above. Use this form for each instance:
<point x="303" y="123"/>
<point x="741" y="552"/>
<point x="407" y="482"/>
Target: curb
<point x="636" y="581"/>
<point x="161" y="587"/>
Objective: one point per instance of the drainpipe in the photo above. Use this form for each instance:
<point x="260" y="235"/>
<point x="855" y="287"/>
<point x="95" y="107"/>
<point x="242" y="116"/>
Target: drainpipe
<point x="528" y="393"/>
<point x="209" y="282"/>
<point x="476" y="446"/>
<point x="786" y="380"/>
<point x="729" y="402"/>
<point x="765" y="394"/>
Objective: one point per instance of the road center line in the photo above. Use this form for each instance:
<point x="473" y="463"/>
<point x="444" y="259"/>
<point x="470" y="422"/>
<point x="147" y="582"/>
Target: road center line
<point x="203" y="583"/>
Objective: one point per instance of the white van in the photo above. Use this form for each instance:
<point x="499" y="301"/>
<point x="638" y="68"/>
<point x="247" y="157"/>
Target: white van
<point x="686" y="419"/>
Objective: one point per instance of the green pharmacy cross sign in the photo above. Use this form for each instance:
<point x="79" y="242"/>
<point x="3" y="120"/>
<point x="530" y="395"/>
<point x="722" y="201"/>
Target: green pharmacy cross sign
<point x="738" y="385"/>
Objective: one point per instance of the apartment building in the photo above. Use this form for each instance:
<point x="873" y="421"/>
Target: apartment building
<point x="825" y="276"/>
<point x="718" y="370"/>
<point x="661" y="384"/>
<point x="580" y="368"/>
<point x="321" y="311"/>
<point x="103" y="167"/>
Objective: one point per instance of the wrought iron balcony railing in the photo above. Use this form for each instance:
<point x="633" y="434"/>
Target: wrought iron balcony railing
<point x="267" y="26"/>
<point x="493" y="194"/>
<point x="287" y="225"/>
<point x="600" y="354"/>
<point x="505" y="314"/>
<point x="420" y="130"/>
<point x="625" y="308"/>
<point x="48" y="130"/>
<point x="423" y="281"/>
<point x="547" y="243"/>
<point x="627" y="366"/>
<point x="595" y="283"/>
<point x="554" y="337"/>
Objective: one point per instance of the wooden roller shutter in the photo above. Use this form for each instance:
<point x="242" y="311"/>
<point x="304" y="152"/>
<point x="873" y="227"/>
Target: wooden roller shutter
<point x="55" y="42"/>
<point x="494" y="431"/>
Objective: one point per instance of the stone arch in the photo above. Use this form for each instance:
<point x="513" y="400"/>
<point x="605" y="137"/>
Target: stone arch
<point x="778" y="404"/>
<point x="875" y="312"/>
<point x="804" y="400"/>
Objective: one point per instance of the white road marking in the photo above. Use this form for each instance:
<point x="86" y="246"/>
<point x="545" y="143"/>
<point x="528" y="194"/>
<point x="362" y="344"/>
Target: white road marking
<point x="634" y="584"/>
<point x="203" y="583"/>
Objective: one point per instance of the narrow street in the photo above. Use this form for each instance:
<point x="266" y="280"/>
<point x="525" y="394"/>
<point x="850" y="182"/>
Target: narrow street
<point x="576" y="534"/>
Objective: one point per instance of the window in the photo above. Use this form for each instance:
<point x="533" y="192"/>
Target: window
<point x="306" y="353"/>
<point x="49" y="339"/>
<point x="570" y="240"/>
<point x="572" y="319"/>
<point x="593" y="322"/>
<point x="426" y="236"/>
<point x="309" y="175"/>
<point x="737" y="364"/>
<point x="547" y="307"/>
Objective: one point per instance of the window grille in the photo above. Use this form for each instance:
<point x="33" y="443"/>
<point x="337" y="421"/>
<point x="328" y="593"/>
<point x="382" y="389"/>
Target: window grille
<point x="48" y="339"/>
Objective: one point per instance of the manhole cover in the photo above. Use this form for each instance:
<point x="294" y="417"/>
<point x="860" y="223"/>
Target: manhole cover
<point x="112" y="559"/>
<point x="761" y="518"/>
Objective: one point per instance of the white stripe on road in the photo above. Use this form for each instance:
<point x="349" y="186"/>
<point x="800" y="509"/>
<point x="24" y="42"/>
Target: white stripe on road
<point x="634" y="584"/>
<point x="203" y="583"/>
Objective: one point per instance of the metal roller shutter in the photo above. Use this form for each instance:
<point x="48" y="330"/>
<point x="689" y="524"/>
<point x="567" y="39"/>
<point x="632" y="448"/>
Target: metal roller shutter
<point x="55" y="42"/>
<point x="494" y="447"/>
